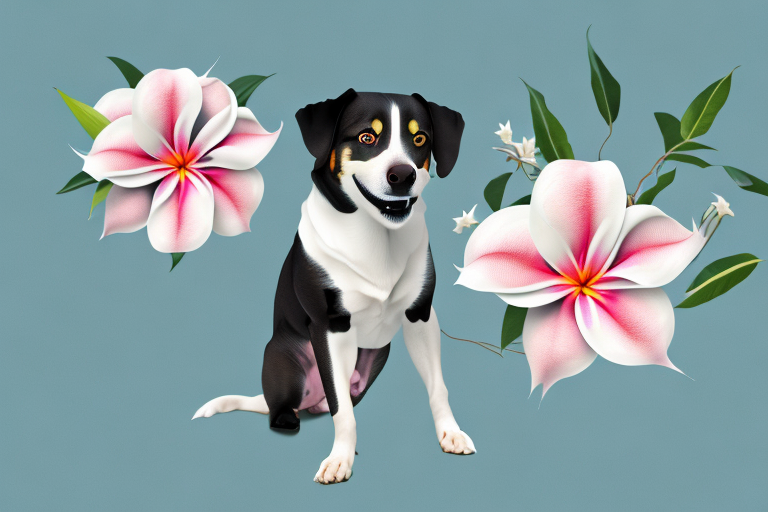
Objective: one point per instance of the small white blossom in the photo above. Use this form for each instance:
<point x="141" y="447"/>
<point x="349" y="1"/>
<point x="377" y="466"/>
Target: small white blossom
<point x="526" y="150"/>
<point x="722" y="206"/>
<point x="466" y="220"/>
<point x="505" y="134"/>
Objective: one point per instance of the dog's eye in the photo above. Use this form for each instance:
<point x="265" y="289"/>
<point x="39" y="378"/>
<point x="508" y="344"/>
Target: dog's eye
<point x="419" y="139"/>
<point x="366" y="138"/>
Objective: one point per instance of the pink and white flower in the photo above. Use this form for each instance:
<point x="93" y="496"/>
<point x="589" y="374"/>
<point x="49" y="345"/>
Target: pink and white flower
<point x="182" y="159"/>
<point x="589" y="268"/>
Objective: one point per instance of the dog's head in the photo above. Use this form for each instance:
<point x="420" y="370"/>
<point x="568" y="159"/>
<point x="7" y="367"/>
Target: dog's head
<point x="373" y="150"/>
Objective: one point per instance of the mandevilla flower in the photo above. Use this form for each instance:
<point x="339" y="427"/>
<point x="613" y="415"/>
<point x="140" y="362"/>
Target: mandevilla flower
<point x="588" y="267"/>
<point x="181" y="156"/>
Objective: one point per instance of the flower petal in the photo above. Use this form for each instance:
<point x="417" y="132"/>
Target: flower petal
<point x="165" y="105"/>
<point x="500" y="256"/>
<point x="577" y="209"/>
<point x="217" y="115"/>
<point x="653" y="249"/>
<point x="127" y="209"/>
<point x="236" y="196"/>
<point x="116" y="156"/>
<point x="536" y="298"/>
<point x="629" y="327"/>
<point x="115" y="104"/>
<point x="182" y="213"/>
<point x="553" y="344"/>
<point x="245" y="146"/>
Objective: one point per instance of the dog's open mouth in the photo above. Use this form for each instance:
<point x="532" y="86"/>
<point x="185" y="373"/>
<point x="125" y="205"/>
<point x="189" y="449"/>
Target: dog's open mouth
<point x="395" y="210"/>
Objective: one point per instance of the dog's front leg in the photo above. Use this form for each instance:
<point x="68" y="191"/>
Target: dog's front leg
<point x="336" y="355"/>
<point x="423" y="342"/>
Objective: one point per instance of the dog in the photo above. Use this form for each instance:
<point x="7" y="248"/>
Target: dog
<point x="360" y="268"/>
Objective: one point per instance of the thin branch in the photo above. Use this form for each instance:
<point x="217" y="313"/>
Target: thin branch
<point x="610" y="132"/>
<point x="486" y="346"/>
<point x="659" y="162"/>
<point x="470" y="341"/>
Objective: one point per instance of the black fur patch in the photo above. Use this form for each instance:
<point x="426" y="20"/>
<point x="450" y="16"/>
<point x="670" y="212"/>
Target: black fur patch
<point x="338" y="317"/>
<point x="422" y="306"/>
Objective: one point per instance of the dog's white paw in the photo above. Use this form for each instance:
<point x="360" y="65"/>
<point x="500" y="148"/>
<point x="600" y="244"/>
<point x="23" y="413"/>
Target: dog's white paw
<point x="231" y="403"/>
<point x="335" y="469"/>
<point x="215" y="406"/>
<point x="456" y="441"/>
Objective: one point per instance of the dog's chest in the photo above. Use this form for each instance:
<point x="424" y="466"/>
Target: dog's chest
<point x="377" y="279"/>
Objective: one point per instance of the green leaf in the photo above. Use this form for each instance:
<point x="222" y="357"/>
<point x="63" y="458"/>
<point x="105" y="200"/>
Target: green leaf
<point x="692" y="146"/>
<point x="718" y="277"/>
<point x="522" y="200"/>
<point x="80" y="180"/>
<point x="244" y="86"/>
<point x="92" y="121"/>
<point x="494" y="191"/>
<point x="702" y="111"/>
<point x="663" y="182"/>
<point x="102" y="189"/>
<point x="550" y="135"/>
<point x="670" y="129"/>
<point x="747" y="181"/>
<point x="176" y="258"/>
<point x="129" y="71"/>
<point x="606" y="89"/>
<point x="512" y="328"/>
<point x="689" y="159"/>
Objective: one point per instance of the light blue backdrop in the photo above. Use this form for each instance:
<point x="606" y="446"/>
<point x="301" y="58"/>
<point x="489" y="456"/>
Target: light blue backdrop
<point x="106" y="356"/>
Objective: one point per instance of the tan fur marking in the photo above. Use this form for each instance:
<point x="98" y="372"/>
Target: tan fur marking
<point x="333" y="159"/>
<point x="377" y="126"/>
<point x="426" y="164"/>
<point x="413" y="127"/>
<point x="346" y="156"/>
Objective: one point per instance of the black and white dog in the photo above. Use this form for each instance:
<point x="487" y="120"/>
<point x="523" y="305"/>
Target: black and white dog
<point x="359" y="269"/>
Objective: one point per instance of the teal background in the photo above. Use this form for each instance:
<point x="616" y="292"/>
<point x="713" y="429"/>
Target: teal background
<point x="105" y="355"/>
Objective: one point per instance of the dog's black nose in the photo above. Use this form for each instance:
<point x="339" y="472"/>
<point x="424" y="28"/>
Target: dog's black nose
<point x="401" y="178"/>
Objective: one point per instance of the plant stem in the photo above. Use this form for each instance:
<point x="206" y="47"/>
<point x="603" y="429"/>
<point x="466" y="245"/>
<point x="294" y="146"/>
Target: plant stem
<point x="659" y="162"/>
<point x="470" y="341"/>
<point x="486" y="346"/>
<point x="610" y="132"/>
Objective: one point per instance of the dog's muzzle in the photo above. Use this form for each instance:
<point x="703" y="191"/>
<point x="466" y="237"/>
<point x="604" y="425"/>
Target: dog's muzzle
<point x="395" y="210"/>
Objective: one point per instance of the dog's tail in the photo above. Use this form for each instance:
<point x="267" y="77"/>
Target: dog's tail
<point x="230" y="403"/>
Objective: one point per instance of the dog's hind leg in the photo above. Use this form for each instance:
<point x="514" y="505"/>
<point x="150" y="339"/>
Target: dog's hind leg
<point x="229" y="403"/>
<point x="287" y="360"/>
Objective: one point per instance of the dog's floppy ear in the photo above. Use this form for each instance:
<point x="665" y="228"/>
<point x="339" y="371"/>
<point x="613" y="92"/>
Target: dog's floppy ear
<point x="318" y="125"/>
<point x="447" y="127"/>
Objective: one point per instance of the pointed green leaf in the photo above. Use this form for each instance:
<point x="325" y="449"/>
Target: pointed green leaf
<point x="494" y="191"/>
<point x="663" y="182"/>
<point x="522" y="200"/>
<point x="692" y="146"/>
<point x="80" y="179"/>
<point x="244" y="86"/>
<point x="747" y="181"/>
<point x="670" y="129"/>
<point x="129" y="71"/>
<point x="176" y="258"/>
<point x="689" y="159"/>
<point x="550" y="135"/>
<point x="718" y="277"/>
<point x="102" y="189"/>
<point x="702" y="111"/>
<point x="606" y="89"/>
<point x="92" y="121"/>
<point x="512" y="328"/>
